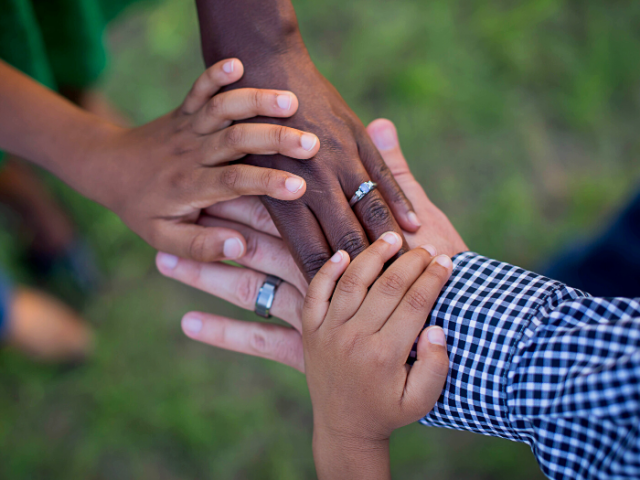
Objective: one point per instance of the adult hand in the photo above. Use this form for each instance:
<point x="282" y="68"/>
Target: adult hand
<point x="265" y="34"/>
<point x="268" y="254"/>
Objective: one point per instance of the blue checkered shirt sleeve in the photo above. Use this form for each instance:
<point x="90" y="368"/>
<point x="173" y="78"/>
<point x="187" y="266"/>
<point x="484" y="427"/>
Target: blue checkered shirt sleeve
<point x="535" y="361"/>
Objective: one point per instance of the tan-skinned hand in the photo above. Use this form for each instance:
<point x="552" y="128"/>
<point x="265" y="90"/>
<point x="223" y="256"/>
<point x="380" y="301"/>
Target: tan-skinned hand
<point x="159" y="177"/>
<point x="358" y="327"/>
<point x="182" y="164"/>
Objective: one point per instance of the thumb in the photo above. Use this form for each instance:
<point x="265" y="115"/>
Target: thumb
<point x="385" y="137"/>
<point x="428" y="374"/>
<point x="202" y="244"/>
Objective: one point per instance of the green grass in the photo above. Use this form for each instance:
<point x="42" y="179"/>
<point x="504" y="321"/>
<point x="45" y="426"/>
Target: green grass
<point x="520" y="121"/>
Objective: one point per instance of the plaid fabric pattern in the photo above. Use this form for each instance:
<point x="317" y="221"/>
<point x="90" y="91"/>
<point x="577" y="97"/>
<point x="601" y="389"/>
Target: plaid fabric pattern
<point x="535" y="361"/>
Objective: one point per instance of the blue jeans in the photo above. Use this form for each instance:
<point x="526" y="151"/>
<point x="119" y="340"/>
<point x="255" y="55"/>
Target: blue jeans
<point x="608" y="266"/>
<point x="5" y="298"/>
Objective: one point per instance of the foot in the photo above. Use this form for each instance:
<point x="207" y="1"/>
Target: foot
<point x="46" y="329"/>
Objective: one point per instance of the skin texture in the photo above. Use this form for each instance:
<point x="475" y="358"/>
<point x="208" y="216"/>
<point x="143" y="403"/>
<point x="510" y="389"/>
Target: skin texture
<point x="159" y="177"/>
<point x="359" y="325"/>
<point x="268" y="254"/>
<point x="265" y="35"/>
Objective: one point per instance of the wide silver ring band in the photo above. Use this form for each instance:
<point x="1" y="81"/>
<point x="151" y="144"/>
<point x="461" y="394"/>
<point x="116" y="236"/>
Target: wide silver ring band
<point x="267" y="293"/>
<point x="363" y="190"/>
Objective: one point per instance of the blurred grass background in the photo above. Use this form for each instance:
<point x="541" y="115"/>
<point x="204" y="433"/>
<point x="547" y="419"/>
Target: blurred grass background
<point x="520" y="120"/>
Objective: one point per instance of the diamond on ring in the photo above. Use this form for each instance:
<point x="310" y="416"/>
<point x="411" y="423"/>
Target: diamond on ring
<point x="362" y="191"/>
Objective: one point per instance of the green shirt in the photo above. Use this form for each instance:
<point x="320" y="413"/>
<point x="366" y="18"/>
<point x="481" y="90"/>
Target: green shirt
<point x="57" y="42"/>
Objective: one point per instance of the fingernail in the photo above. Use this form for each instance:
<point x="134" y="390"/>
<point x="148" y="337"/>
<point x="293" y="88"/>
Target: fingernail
<point x="413" y="218"/>
<point x="431" y="249"/>
<point x="435" y="335"/>
<point x="385" y="139"/>
<point x="444" y="261"/>
<point x="390" y="237"/>
<point x="232" y="248"/>
<point x="192" y="324"/>
<point x="293" y="184"/>
<point x="308" y="141"/>
<point x="228" y="67"/>
<point x="284" y="101"/>
<point x="337" y="257"/>
<point x="167" y="261"/>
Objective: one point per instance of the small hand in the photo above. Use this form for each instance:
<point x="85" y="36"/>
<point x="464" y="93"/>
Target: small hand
<point x="268" y="254"/>
<point x="359" y="325"/>
<point x="159" y="177"/>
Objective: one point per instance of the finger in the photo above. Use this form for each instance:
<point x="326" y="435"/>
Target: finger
<point x="377" y="161"/>
<point x="245" y="210"/>
<point x="340" y="224"/>
<point x="316" y="302"/>
<point x="236" y="285"/>
<point x="243" y="103"/>
<point x="301" y="233"/>
<point x="409" y="318"/>
<point x="264" y="253"/>
<point x="273" y="342"/>
<point x="363" y="271"/>
<point x="391" y="288"/>
<point x="242" y="139"/>
<point x="428" y="374"/>
<point x="384" y="136"/>
<point x="201" y="244"/>
<point x="215" y="77"/>
<point x="212" y="185"/>
<point x="372" y="211"/>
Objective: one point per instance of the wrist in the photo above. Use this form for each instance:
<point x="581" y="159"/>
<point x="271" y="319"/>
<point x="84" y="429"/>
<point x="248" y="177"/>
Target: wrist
<point x="338" y="455"/>
<point x="253" y="30"/>
<point x="84" y="167"/>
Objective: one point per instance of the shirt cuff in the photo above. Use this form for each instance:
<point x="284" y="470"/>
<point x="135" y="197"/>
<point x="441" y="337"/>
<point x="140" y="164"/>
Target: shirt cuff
<point x="485" y="309"/>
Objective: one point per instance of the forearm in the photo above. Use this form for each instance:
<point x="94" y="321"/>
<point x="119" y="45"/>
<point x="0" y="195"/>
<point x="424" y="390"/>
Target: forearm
<point x="44" y="128"/>
<point x="338" y="458"/>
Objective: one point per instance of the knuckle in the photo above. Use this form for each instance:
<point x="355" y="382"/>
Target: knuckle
<point x="257" y="99"/>
<point x="215" y="106"/>
<point x="391" y="284"/>
<point x="198" y="247"/>
<point x="312" y="262"/>
<point x="279" y="135"/>
<point x="229" y="177"/>
<point x="268" y="178"/>
<point x="234" y="137"/>
<point x="352" y="242"/>
<point x="247" y="290"/>
<point x="350" y="283"/>
<point x="375" y="212"/>
<point x="417" y="300"/>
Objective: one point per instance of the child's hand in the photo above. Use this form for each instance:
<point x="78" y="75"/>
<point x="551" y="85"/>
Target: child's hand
<point x="356" y="343"/>
<point x="160" y="176"/>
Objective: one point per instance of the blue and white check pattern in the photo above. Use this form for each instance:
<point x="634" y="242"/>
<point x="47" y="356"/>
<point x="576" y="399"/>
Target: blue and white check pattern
<point x="535" y="361"/>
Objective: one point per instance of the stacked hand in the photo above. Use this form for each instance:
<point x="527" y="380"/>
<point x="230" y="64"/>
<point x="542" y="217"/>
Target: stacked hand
<point x="358" y="330"/>
<point x="268" y="254"/>
<point x="160" y="176"/>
